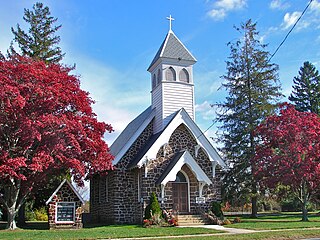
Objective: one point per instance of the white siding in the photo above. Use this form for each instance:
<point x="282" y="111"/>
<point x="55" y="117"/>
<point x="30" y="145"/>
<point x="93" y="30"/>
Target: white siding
<point x="175" y="97"/>
<point x="170" y="97"/>
<point x="157" y="104"/>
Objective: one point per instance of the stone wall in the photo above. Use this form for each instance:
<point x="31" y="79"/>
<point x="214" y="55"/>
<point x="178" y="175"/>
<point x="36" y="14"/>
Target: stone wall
<point x="180" y="140"/>
<point x="124" y="205"/>
<point x="65" y="194"/>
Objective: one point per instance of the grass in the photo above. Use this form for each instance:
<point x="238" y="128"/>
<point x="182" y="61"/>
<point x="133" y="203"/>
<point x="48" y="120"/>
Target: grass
<point x="281" y="235"/>
<point x="119" y="231"/>
<point x="278" y="221"/>
<point x="281" y="226"/>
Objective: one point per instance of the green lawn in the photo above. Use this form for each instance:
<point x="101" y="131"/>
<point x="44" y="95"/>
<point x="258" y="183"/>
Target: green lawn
<point x="282" y="226"/>
<point x="278" y="221"/>
<point x="282" y="235"/>
<point x="102" y="232"/>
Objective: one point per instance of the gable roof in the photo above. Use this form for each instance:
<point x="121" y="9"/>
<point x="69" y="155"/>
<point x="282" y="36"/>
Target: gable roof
<point x="172" y="48"/>
<point x="181" y="158"/>
<point x="127" y="137"/>
<point x="60" y="186"/>
<point x="181" y="117"/>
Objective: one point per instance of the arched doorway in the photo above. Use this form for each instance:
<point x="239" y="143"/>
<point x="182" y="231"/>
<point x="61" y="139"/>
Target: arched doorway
<point x="180" y="193"/>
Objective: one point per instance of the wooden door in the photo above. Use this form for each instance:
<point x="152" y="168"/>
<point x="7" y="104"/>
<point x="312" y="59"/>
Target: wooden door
<point x="180" y="197"/>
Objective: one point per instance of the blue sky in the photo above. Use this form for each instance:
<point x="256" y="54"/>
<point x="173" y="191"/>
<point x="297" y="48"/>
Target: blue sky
<point x="112" y="43"/>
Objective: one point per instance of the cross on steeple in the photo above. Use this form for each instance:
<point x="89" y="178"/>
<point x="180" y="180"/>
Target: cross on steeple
<point x="170" y="21"/>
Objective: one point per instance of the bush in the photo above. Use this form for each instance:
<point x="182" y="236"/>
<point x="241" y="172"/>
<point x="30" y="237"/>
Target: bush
<point x="153" y="207"/>
<point x="291" y="205"/>
<point x="226" y="222"/>
<point x="216" y="209"/>
<point x="237" y="220"/>
<point x="41" y="214"/>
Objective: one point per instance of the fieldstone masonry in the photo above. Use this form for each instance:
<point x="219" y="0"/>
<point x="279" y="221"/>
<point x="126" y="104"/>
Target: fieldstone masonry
<point x="122" y="195"/>
<point x="65" y="194"/>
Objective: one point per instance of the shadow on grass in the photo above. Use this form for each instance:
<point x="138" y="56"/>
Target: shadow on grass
<point x="45" y="225"/>
<point x="29" y="225"/>
<point x="94" y="225"/>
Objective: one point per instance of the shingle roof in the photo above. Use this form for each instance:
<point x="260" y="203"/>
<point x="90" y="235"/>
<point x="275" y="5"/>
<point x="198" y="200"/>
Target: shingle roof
<point x="172" y="163"/>
<point x="129" y="131"/>
<point x="172" y="48"/>
<point x="147" y="146"/>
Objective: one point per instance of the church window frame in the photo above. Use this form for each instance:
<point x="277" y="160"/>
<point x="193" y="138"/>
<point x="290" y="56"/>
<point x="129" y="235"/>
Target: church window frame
<point x="99" y="190"/>
<point x="184" y="76"/>
<point x="171" y="74"/>
<point x="154" y="81"/>
<point x="107" y="189"/>
<point x="159" y="78"/>
<point x="138" y="186"/>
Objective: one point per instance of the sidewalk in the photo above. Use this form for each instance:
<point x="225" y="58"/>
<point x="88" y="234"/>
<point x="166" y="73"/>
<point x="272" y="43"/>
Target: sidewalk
<point x="226" y="229"/>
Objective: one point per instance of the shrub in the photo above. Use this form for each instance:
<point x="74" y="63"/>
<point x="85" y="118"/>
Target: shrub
<point x="216" y="209"/>
<point x="237" y="220"/>
<point x="41" y="214"/>
<point x="153" y="207"/>
<point x="226" y="222"/>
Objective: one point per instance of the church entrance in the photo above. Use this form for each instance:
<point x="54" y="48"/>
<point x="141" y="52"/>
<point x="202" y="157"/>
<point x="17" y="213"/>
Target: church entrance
<point x="180" y="193"/>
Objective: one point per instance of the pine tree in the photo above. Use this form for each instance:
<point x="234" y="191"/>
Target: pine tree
<point x="253" y="90"/>
<point x="306" y="89"/>
<point x="40" y="42"/>
<point x="153" y="207"/>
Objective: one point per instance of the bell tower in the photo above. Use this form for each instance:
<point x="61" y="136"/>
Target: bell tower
<point x="171" y="80"/>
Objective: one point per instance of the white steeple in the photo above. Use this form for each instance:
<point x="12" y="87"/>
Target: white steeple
<point x="171" y="80"/>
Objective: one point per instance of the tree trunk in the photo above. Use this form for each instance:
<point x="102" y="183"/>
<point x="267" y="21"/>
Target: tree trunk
<point x="304" y="212"/>
<point x="11" y="224"/>
<point x="304" y="201"/>
<point x="254" y="210"/>
<point x="22" y="215"/>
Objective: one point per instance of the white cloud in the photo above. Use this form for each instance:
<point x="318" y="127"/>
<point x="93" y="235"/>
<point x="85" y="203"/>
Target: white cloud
<point x="206" y="110"/>
<point x="217" y="14"/>
<point x="222" y="7"/>
<point x="315" y="6"/>
<point x="230" y="4"/>
<point x="279" y="5"/>
<point x="289" y="19"/>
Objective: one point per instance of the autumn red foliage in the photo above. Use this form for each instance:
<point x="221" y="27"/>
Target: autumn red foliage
<point x="46" y="125"/>
<point x="289" y="152"/>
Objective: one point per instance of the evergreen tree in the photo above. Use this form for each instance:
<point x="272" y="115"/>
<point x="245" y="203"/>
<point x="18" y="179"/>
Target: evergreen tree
<point x="153" y="207"/>
<point x="306" y="89"/>
<point x="40" y="42"/>
<point x="253" y="91"/>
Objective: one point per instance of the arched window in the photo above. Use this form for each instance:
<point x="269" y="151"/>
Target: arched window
<point x="159" y="76"/>
<point x="181" y="178"/>
<point x="154" y="83"/>
<point x="170" y="74"/>
<point x="184" y="76"/>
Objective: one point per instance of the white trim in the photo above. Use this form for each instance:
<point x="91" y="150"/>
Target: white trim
<point x="129" y="143"/>
<point x="74" y="213"/>
<point x="188" y="182"/>
<point x="58" y="188"/>
<point x="187" y="159"/>
<point x="182" y="117"/>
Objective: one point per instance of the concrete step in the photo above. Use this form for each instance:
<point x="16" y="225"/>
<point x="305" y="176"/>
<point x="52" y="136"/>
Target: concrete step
<point x="186" y="220"/>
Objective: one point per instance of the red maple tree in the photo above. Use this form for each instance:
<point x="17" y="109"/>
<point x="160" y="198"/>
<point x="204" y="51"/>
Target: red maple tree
<point x="289" y="153"/>
<point x="46" y="125"/>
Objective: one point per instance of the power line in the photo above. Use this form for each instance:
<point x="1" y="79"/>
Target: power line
<point x="294" y="25"/>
